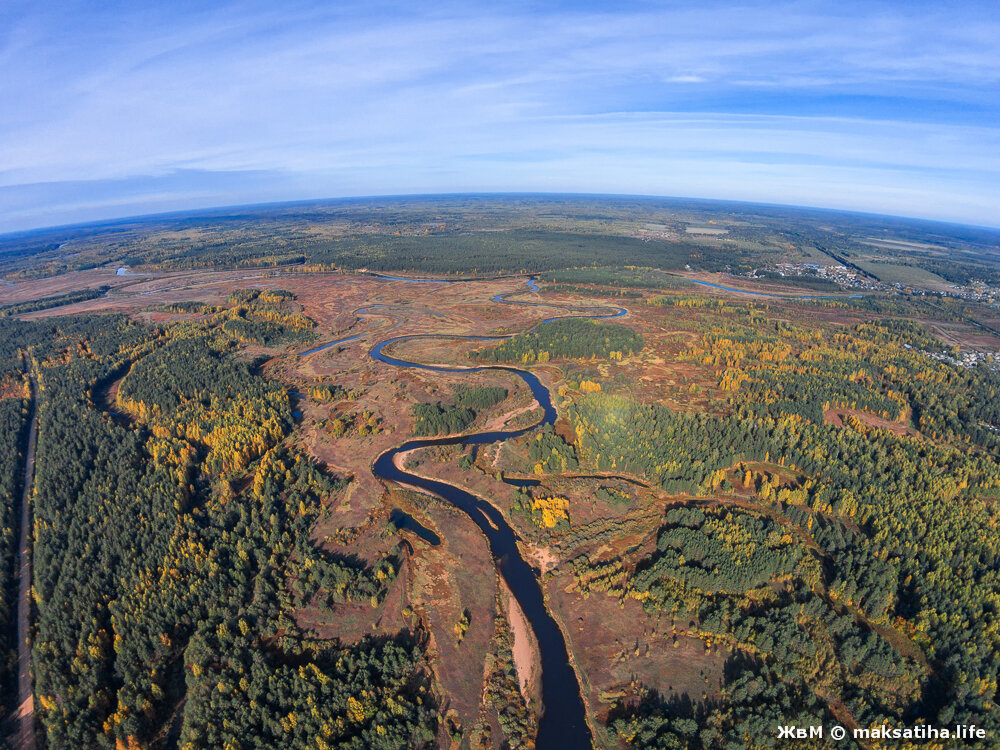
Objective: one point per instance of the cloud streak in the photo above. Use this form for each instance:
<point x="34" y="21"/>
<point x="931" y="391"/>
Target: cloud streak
<point x="786" y="102"/>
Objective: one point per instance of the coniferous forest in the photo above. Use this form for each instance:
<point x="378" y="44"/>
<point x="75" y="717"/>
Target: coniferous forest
<point x="570" y="338"/>
<point x="14" y="413"/>
<point x="161" y="579"/>
<point x="442" y="419"/>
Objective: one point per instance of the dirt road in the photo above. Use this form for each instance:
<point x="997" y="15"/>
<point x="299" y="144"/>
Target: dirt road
<point x="24" y="739"/>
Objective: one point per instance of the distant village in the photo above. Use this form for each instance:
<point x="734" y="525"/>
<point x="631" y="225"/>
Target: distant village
<point x="968" y="358"/>
<point x="851" y="278"/>
<point x="846" y="277"/>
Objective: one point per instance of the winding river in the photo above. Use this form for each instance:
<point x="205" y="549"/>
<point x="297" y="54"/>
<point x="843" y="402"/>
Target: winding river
<point x="774" y="296"/>
<point x="563" y="721"/>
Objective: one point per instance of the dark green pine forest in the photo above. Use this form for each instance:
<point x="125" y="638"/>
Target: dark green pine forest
<point x="435" y="418"/>
<point x="172" y="540"/>
<point x="569" y="338"/>
<point x="14" y="412"/>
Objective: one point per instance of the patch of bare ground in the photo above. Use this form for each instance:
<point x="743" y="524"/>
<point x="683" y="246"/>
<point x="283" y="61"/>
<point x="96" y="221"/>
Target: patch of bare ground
<point x="452" y="592"/>
<point x="452" y="352"/>
<point x="837" y="417"/>
<point x="963" y="335"/>
<point x="33" y="289"/>
<point x="527" y="659"/>
<point x="622" y="652"/>
<point x="507" y="418"/>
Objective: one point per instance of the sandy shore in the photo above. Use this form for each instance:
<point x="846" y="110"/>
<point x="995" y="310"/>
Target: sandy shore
<point x="527" y="660"/>
<point x="498" y="423"/>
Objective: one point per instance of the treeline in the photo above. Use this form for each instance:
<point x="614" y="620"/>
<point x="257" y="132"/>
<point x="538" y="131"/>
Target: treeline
<point x="14" y="411"/>
<point x="190" y="306"/>
<point x="549" y="453"/>
<point x="171" y="553"/>
<point x="444" y="419"/>
<point x="591" y="291"/>
<point x="614" y="276"/>
<point x="330" y="392"/>
<point x="806" y="281"/>
<point x="922" y="559"/>
<point x="692" y="302"/>
<point x="874" y="303"/>
<point x="261" y="316"/>
<point x="719" y="552"/>
<point x="753" y="703"/>
<point x="361" y="423"/>
<point x="259" y="295"/>
<point x="568" y="338"/>
<point x="479" y="397"/>
<point x="56" y="301"/>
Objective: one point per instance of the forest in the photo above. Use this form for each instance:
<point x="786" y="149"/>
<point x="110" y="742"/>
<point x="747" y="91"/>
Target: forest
<point x="171" y="545"/>
<point x="492" y="234"/>
<point x="868" y="574"/>
<point x="568" y="338"/>
<point x="262" y="316"/>
<point x="617" y="278"/>
<point x="446" y="419"/>
<point x="14" y="411"/>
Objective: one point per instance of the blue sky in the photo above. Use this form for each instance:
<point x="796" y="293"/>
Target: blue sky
<point x="124" y="108"/>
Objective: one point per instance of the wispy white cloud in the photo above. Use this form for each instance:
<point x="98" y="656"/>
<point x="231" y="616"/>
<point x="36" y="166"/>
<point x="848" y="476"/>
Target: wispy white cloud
<point x="782" y="101"/>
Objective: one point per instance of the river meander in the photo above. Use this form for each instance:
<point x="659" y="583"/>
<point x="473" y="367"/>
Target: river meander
<point x="563" y="722"/>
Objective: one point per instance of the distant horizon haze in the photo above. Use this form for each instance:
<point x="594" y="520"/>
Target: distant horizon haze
<point x="210" y="211"/>
<point x="120" y="110"/>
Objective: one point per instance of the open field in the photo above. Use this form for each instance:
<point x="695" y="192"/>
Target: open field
<point x="892" y="273"/>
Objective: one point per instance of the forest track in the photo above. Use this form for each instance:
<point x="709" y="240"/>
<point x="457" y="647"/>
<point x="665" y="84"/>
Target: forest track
<point x="105" y="394"/>
<point x="24" y="738"/>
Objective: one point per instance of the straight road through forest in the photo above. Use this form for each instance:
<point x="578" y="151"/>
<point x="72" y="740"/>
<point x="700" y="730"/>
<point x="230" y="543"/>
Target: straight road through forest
<point x="25" y="715"/>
